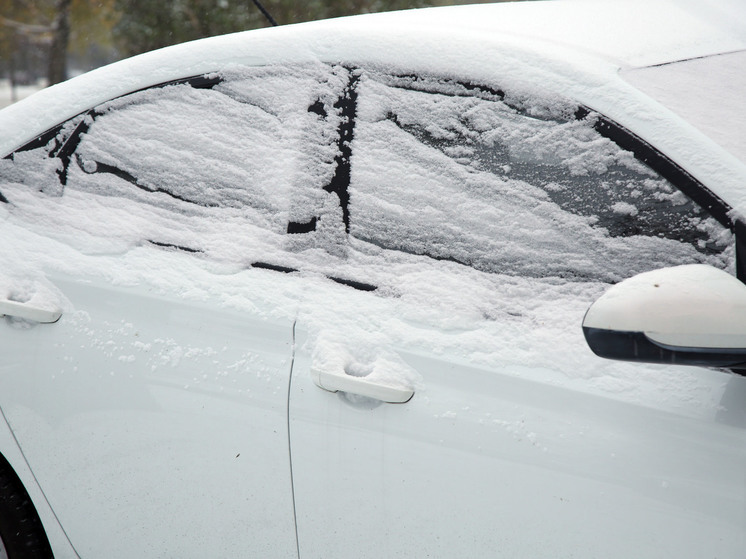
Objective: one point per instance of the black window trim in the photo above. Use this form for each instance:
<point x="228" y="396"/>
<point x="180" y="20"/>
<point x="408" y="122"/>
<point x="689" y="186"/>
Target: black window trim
<point x="606" y="127"/>
<point x="202" y="81"/>
<point x="677" y="176"/>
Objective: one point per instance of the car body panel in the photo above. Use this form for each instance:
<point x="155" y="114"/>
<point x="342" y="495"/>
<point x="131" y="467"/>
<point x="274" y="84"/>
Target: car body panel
<point x="503" y="466"/>
<point x="142" y="416"/>
<point x="703" y="92"/>
<point x="55" y="533"/>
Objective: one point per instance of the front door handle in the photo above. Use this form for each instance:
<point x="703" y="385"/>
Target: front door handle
<point x="28" y="312"/>
<point x="361" y="386"/>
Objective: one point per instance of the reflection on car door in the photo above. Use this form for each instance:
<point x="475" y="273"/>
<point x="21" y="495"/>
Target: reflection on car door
<point x="482" y="463"/>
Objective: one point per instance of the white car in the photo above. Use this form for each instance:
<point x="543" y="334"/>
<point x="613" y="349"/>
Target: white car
<point x="318" y="291"/>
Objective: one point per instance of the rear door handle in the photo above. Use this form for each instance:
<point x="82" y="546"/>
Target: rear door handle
<point x="28" y="312"/>
<point x="361" y="386"/>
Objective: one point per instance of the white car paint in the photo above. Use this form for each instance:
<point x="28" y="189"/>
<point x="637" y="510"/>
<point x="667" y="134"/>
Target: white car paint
<point x="142" y="424"/>
<point x="54" y="531"/>
<point x="688" y="306"/>
<point x="701" y="91"/>
<point x="494" y="464"/>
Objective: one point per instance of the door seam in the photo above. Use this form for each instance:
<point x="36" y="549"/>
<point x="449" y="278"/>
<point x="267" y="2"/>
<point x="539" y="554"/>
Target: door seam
<point x="290" y="450"/>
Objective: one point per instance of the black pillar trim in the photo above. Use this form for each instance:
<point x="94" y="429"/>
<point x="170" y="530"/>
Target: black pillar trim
<point x="740" y="227"/>
<point x="65" y="151"/>
<point x="295" y="228"/>
<point x="637" y="347"/>
<point x="340" y="182"/>
<point x="664" y="166"/>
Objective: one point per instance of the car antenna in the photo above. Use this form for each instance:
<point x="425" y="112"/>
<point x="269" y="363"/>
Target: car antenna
<point x="266" y="13"/>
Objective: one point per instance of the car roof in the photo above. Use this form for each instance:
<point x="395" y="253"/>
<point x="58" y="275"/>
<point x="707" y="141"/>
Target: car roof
<point x="631" y="32"/>
<point x="576" y="47"/>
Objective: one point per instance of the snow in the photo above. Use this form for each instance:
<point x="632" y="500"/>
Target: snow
<point x="204" y="198"/>
<point x="430" y="180"/>
<point x="624" y="208"/>
<point x="706" y="92"/>
<point x="633" y="33"/>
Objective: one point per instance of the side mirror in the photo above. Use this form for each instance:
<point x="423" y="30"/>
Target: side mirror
<point x="687" y="315"/>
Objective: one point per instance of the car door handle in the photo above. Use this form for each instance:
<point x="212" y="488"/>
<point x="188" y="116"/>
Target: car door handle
<point x="28" y="312"/>
<point x="361" y="386"/>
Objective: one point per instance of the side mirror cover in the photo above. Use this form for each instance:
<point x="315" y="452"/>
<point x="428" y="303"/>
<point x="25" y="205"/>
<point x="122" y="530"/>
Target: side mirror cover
<point x="686" y="315"/>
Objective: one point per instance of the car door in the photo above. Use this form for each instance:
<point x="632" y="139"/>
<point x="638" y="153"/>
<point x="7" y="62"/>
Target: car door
<point x="147" y="337"/>
<point x="483" y="223"/>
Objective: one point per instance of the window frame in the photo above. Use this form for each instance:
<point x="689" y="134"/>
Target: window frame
<point x="642" y="150"/>
<point x="626" y="139"/>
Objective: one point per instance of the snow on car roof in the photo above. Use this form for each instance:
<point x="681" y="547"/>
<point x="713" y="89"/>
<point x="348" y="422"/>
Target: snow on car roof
<point x="706" y="92"/>
<point x="574" y="47"/>
<point x="635" y="33"/>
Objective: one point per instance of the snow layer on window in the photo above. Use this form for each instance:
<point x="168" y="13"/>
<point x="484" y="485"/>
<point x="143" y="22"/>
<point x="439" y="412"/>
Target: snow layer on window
<point x="207" y="170"/>
<point x="314" y="208"/>
<point x="474" y="180"/>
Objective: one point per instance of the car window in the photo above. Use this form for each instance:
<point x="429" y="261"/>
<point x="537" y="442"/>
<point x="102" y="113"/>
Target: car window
<point x="205" y="165"/>
<point x="512" y="184"/>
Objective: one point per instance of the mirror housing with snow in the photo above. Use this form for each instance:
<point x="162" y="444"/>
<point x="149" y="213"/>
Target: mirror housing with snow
<point x="686" y="315"/>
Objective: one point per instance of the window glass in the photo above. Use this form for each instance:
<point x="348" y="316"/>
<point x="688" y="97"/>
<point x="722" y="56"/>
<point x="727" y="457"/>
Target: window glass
<point x="202" y="168"/>
<point x="512" y="185"/>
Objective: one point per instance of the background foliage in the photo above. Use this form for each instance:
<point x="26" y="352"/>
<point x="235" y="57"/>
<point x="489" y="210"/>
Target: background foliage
<point x="39" y="38"/>
<point x="144" y="25"/>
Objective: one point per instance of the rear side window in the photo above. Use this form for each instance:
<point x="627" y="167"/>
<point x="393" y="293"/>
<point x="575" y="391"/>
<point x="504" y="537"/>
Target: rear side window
<point x="514" y="185"/>
<point x="205" y="165"/>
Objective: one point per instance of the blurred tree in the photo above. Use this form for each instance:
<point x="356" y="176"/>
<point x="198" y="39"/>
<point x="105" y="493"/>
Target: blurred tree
<point x="50" y="29"/>
<point x="44" y="33"/>
<point x="146" y="25"/>
<point x="57" y="62"/>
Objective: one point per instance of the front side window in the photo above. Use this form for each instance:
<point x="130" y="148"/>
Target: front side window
<point x="512" y="184"/>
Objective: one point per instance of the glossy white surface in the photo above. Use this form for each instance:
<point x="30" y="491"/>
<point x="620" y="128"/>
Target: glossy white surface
<point x="687" y="306"/>
<point x="484" y="464"/>
<point x="693" y="89"/>
<point x="29" y="312"/>
<point x="55" y="534"/>
<point x="334" y="382"/>
<point x="155" y="427"/>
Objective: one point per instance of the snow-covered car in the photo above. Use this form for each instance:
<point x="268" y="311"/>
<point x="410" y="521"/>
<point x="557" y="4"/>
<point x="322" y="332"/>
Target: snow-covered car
<point x="319" y="291"/>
